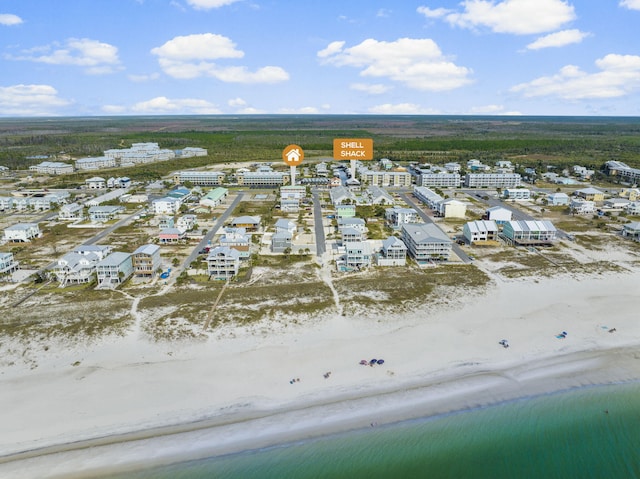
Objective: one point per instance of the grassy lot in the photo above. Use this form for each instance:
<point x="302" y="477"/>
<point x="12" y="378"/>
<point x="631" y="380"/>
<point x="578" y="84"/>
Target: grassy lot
<point x="401" y="289"/>
<point x="71" y="314"/>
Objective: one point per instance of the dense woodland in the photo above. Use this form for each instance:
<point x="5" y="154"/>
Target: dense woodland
<point x="528" y="141"/>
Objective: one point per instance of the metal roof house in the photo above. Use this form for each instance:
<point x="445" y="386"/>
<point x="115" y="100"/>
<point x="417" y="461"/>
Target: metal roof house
<point x="393" y="252"/>
<point x="21" y="232"/>
<point x="75" y="268"/>
<point x="426" y="242"/>
<point x="146" y="260"/>
<point x="529" y="232"/>
<point x="214" y="197"/>
<point x="114" y="270"/>
<point x="223" y="263"/>
<point x="479" y="231"/>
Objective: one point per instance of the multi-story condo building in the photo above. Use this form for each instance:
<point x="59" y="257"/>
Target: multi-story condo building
<point x="439" y="180"/>
<point x="52" y="168"/>
<point x="427" y="196"/>
<point x="97" y="163"/>
<point x="384" y="178"/>
<point x="492" y="180"/>
<point x="199" y="178"/>
<point x="622" y="171"/>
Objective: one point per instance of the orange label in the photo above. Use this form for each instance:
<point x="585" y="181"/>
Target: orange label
<point x="353" y="149"/>
<point x="293" y="155"/>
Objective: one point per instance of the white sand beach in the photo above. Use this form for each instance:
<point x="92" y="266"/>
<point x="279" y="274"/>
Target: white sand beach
<point x="130" y="402"/>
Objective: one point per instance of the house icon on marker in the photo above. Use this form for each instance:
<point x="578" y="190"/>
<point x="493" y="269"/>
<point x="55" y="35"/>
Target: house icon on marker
<point x="293" y="156"/>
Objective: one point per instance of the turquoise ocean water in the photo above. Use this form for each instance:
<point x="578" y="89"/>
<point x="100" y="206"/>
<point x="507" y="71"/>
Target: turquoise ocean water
<point x="585" y="433"/>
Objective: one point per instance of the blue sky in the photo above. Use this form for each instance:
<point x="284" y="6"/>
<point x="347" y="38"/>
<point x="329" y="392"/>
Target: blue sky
<point x="140" y="57"/>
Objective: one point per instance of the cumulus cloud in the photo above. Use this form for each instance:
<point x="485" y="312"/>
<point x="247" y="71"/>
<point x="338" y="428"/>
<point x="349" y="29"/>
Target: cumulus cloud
<point x="236" y="102"/>
<point x="164" y="105"/>
<point x="630" y="4"/>
<point x="9" y="19"/>
<point x="402" y="109"/>
<point x="416" y="63"/>
<point x="95" y="57"/>
<point x="305" y="110"/>
<point x="209" y="4"/>
<point x="558" y="39"/>
<point x="193" y="56"/>
<point x="30" y="100"/>
<point x="619" y="75"/>
<point x="519" y="17"/>
<point x="371" y="89"/>
<point x="144" y="78"/>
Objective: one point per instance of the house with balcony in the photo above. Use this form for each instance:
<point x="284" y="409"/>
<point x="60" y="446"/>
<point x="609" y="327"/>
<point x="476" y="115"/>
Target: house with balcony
<point x="426" y="243"/>
<point x="285" y="225"/>
<point x="8" y="264"/>
<point x="187" y="222"/>
<point x="70" y="212"/>
<point x="237" y="239"/>
<point x="529" y="233"/>
<point x="632" y="230"/>
<point x="75" y="268"/>
<point x="95" y="183"/>
<point x="580" y="206"/>
<point x="21" y="232"/>
<point x="146" y="260"/>
<point x="355" y="223"/>
<point x="114" y="270"/>
<point x="251" y="224"/>
<point x="393" y="252"/>
<point x="396" y="217"/>
<point x="480" y="231"/>
<point x="281" y="241"/>
<point x="223" y="263"/>
<point x="357" y="255"/>
<point x="171" y="235"/>
<point x="557" y="199"/>
<point x="517" y="194"/>
<point x="165" y="206"/>
<point x="102" y="214"/>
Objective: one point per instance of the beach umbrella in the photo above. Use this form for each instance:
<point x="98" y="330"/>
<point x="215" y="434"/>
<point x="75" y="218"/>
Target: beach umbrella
<point x="380" y="361"/>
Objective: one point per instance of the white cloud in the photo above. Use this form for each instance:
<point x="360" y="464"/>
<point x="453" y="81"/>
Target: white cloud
<point x="371" y="89"/>
<point x="305" y="110"/>
<point x="520" y="17"/>
<point x="619" y="75"/>
<point x="402" y="109"/>
<point x="416" y="63"/>
<point x="191" y="57"/>
<point x="630" y="4"/>
<point x="209" y="4"/>
<point x="236" y="102"/>
<point x="114" y="109"/>
<point x="162" y="105"/>
<point x="492" y="110"/>
<point x="434" y="12"/>
<point x="383" y="13"/>
<point x="143" y="78"/>
<point x="558" y="39"/>
<point x="30" y="100"/>
<point x="250" y="111"/>
<point x="9" y="19"/>
<point x="96" y="57"/>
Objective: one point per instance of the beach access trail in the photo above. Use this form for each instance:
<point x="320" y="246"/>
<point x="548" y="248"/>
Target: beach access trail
<point x="129" y="402"/>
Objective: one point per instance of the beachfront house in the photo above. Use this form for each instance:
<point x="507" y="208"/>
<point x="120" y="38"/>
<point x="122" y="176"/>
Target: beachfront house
<point x="146" y="260"/>
<point x="529" y="233"/>
<point x="393" y="252"/>
<point x="281" y="242"/>
<point x="480" y="231"/>
<point x="632" y="230"/>
<point x="426" y="242"/>
<point x="114" y="270"/>
<point x="21" y="232"/>
<point x="357" y="254"/>
<point x="8" y="264"/>
<point x="75" y="268"/>
<point x="223" y="263"/>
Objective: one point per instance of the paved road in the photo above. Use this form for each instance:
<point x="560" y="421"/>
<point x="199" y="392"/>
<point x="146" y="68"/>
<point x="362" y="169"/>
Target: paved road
<point x="123" y="222"/>
<point x="427" y="219"/>
<point x="205" y="241"/>
<point x="321" y="246"/>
